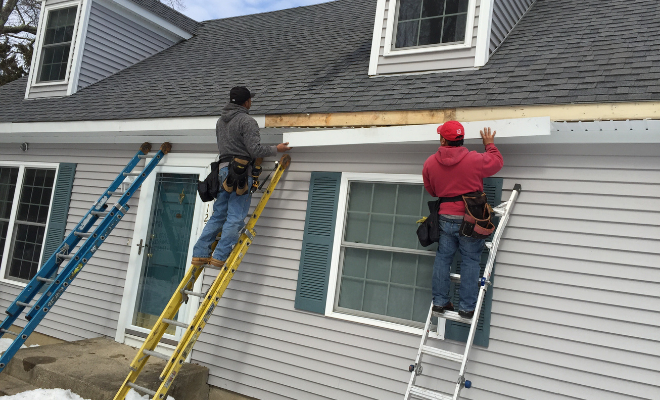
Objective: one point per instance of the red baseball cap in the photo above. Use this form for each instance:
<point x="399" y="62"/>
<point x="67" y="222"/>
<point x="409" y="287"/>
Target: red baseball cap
<point x="451" y="130"/>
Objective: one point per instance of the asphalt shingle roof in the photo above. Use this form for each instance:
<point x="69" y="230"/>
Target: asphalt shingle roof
<point x="316" y="58"/>
<point x="169" y="14"/>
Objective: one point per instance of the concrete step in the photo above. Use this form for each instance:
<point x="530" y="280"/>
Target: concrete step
<point x="10" y="385"/>
<point x="96" y="368"/>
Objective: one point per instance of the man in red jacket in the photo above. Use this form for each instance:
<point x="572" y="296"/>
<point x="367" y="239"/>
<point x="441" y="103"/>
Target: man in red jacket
<point x="454" y="171"/>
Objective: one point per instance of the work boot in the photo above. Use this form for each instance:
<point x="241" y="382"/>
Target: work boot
<point x="197" y="261"/>
<point x="466" y="314"/>
<point x="217" y="263"/>
<point x="442" y="309"/>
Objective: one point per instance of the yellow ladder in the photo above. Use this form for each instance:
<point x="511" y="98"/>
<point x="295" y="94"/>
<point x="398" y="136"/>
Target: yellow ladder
<point x="211" y="299"/>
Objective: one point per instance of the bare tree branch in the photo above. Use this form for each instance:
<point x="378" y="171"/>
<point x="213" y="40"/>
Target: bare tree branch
<point x="6" y="11"/>
<point x="175" y="4"/>
<point x="18" y="29"/>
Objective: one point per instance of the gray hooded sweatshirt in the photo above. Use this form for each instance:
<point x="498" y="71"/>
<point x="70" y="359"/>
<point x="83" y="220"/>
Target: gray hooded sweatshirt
<point x="238" y="135"/>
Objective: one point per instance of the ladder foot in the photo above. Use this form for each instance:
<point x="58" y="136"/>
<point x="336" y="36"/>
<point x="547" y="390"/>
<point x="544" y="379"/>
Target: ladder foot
<point x="468" y="384"/>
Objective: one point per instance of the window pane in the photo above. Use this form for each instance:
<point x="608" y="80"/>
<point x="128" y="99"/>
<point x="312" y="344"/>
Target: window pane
<point x="409" y="200"/>
<point x="409" y="9"/>
<point x="400" y="302"/>
<point x="384" y="198"/>
<point x="378" y="265"/>
<point x="360" y="196"/>
<point x="357" y="226"/>
<point x="351" y="293"/>
<point x="405" y="232"/>
<point x="4" y="226"/>
<point x="355" y="263"/>
<point x="8" y="176"/>
<point x="406" y="34"/>
<point x="375" y="295"/>
<point x="35" y="196"/>
<point x="421" y="305"/>
<point x="449" y="30"/>
<point x="404" y="269"/>
<point x="26" y="251"/>
<point x="456" y="6"/>
<point x="430" y="31"/>
<point x="433" y="8"/>
<point x="380" y="230"/>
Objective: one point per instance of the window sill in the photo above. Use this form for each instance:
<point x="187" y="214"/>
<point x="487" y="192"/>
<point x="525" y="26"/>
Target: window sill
<point x="426" y="49"/>
<point x="9" y="282"/>
<point x="52" y="83"/>
<point x="389" y="325"/>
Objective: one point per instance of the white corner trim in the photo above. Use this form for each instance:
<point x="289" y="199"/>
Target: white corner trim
<point x="378" y="34"/>
<point x="79" y="48"/>
<point x="35" y="54"/>
<point x="346" y="178"/>
<point x="153" y="18"/>
<point x="415" y="133"/>
<point x="392" y="16"/>
<point x="483" y="33"/>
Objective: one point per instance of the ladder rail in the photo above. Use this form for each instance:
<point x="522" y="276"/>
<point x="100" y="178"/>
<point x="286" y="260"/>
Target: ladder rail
<point x="73" y="267"/>
<point x="49" y="268"/>
<point x="484" y="288"/>
<point x="418" y="359"/>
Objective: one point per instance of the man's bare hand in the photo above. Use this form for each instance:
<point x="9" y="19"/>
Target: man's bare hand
<point x="489" y="138"/>
<point x="283" y="147"/>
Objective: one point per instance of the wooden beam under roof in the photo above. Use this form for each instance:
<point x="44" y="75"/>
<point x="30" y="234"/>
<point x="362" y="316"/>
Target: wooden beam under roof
<point x="568" y="112"/>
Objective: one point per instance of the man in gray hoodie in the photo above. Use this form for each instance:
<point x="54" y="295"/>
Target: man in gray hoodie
<point x="239" y="145"/>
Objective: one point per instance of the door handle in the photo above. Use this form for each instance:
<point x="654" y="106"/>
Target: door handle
<point x="140" y="246"/>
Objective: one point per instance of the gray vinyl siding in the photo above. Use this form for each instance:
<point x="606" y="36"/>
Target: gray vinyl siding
<point x="440" y="60"/>
<point x="506" y="14"/>
<point x="575" y="307"/>
<point x="114" y="42"/>
<point x="90" y="307"/>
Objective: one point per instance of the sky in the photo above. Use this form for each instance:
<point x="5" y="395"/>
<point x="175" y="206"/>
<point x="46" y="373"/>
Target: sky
<point x="202" y="10"/>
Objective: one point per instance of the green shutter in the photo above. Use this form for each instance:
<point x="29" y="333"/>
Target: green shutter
<point x="458" y="331"/>
<point x="314" y="270"/>
<point x="59" y="210"/>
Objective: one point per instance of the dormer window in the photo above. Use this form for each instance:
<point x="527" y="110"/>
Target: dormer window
<point x="58" y="37"/>
<point x="430" y="22"/>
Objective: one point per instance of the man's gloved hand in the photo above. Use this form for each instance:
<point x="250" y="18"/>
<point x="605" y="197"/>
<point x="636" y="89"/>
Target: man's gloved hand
<point x="488" y="138"/>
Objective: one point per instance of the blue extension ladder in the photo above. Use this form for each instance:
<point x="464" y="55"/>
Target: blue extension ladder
<point x="75" y="260"/>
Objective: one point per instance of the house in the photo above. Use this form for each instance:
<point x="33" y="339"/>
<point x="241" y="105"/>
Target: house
<point x="357" y="86"/>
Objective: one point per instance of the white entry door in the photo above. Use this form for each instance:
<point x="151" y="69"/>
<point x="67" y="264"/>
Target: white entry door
<point x="169" y="220"/>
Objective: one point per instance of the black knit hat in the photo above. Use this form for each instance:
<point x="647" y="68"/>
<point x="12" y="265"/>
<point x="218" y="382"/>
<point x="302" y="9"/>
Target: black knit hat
<point x="239" y="95"/>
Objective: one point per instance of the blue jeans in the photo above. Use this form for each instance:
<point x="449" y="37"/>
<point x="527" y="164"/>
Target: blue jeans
<point x="229" y="212"/>
<point x="471" y="250"/>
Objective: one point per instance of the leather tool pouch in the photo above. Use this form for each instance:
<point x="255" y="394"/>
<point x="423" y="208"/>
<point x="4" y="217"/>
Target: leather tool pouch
<point x="477" y="222"/>
<point x="208" y="188"/>
<point x="237" y="176"/>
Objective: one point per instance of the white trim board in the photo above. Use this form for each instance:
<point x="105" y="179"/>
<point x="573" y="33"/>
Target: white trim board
<point x="152" y="18"/>
<point x="483" y="33"/>
<point x="506" y="128"/>
<point x="175" y="130"/>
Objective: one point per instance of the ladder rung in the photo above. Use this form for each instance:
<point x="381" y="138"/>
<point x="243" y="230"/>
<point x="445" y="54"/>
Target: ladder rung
<point x="99" y="214"/>
<point x="141" y="389"/>
<point x="45" y="280"/>
<point x="489" y="245"/>
<point x="83" y="234"/>
<point x="453" y="316"/>
<point x="209" y="266"/>
<point x="143" y="156"/>
<point x="175" y="323"/>
<point x="426" y="394"/>
<point x="113" y="193"/>
<point x="65" y="256"/>
<point x="20" y="303"/>
<point x="197" y="294"/>
<point x="8" y="332"/>
<point x="156" y="354"/>
<point x="132" y="173"/>
<point x="447" y="355"/>
<point x="456" y="278"/>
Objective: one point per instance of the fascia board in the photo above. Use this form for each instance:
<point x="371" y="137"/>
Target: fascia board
<point x="511" y="128"/>
<point x="153" y="18"/>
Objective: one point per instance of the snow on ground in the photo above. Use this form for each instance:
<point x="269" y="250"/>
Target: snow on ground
<point x="61" y="394"/>
<point x="5" y="343"/>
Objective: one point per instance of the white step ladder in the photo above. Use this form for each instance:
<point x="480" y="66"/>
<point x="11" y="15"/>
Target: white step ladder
<point x="416" y="392"/>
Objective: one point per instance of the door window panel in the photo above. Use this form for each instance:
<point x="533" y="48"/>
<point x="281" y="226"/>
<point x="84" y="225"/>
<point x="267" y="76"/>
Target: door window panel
<point x="167" y="244"/>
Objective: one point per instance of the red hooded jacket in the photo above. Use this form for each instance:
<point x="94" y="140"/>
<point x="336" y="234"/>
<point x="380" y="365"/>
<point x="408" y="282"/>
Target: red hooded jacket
<point x="454" y="171"/>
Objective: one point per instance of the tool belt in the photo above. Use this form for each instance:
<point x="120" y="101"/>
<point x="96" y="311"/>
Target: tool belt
<point x="237" y="176"/>
<point x="476" y="221"/>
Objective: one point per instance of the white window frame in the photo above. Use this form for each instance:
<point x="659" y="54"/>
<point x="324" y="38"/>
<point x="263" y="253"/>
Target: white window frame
<point x="333" y="283"/>
<point x="393" y="16"/>
<point x="36" y="63"/>
<point x="14" y="209"/>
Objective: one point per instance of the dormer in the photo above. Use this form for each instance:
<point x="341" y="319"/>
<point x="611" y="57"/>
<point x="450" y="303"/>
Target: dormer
<point x="415" y="36"/>
<point x="80" y="42"/>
